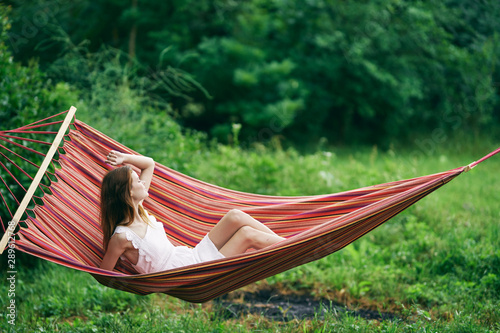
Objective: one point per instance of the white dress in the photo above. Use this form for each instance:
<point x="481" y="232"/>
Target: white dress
<point x="157" y="253"/>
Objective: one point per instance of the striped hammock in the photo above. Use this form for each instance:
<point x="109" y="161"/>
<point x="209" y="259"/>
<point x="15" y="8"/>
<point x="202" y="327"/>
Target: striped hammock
<point x="65" y="227"/>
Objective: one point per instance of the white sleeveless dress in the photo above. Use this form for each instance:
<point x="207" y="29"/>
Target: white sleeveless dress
<point x="157" y="253"/>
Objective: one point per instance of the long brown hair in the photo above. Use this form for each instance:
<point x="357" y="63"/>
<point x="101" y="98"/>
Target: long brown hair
<point x="116" y="203"/>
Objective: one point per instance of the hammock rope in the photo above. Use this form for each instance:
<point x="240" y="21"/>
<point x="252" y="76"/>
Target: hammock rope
<point x="65" y="227"/>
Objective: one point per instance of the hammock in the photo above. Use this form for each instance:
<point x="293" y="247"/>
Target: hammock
<point x="65" y="226"/>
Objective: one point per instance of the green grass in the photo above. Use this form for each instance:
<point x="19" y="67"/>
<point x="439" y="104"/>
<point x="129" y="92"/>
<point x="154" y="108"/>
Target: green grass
<point x="436" y="265"/>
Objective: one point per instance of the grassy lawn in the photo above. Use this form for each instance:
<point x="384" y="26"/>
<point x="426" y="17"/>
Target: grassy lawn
<point x="436" y="266"/>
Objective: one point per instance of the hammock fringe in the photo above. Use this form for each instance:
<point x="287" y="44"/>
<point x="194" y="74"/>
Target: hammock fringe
<point x="41" y="171"/>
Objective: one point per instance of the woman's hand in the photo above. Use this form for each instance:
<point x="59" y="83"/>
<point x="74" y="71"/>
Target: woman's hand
<point x="146" y="164"/>
<point x="115" y="158"/>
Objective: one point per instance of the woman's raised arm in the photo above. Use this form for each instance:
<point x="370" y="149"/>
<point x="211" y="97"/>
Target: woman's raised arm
<point x="146" y="164"/>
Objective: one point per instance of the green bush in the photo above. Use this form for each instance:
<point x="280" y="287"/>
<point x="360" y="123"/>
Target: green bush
<point x="25" y="94"/>
<point x="362" y="72"/>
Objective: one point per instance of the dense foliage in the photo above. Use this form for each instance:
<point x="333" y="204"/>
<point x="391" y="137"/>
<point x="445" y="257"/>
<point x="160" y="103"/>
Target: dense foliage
<point x="348" y="71"/>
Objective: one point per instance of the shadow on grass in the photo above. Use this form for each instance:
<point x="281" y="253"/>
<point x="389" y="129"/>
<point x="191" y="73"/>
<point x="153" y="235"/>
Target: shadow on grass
<point x="275" y="305"/>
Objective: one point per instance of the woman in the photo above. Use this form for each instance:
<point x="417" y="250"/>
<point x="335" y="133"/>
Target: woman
<point x="131" y="234"/>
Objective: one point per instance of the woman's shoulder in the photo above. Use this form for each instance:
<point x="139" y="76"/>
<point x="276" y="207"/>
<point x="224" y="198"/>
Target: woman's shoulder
<point x="120" y="228"/>
<point x="120" y="240"/>
<point x="151" y="218"/>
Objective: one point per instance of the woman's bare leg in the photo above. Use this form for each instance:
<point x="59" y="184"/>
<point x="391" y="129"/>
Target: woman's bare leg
<point x="231" y="223"/>
<point x="247" y="237"/>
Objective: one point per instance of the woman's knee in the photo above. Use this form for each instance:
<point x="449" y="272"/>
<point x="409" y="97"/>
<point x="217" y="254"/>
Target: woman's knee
<point x="235" y="216"/>
<point x="247" y="235"/>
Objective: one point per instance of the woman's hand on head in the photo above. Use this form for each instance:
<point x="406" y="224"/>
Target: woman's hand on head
<point x="146" y="164"/>
<point x="115" y="158"/>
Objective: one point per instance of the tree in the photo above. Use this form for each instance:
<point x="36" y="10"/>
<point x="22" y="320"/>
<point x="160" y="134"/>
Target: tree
<point x="348" y="71"/>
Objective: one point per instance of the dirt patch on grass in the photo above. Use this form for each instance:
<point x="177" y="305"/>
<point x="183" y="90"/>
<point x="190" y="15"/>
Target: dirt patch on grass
<point x="281" y="305"/>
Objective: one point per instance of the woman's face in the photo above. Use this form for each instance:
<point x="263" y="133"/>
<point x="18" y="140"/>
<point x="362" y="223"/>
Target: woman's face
<point x="137" y="190"/>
